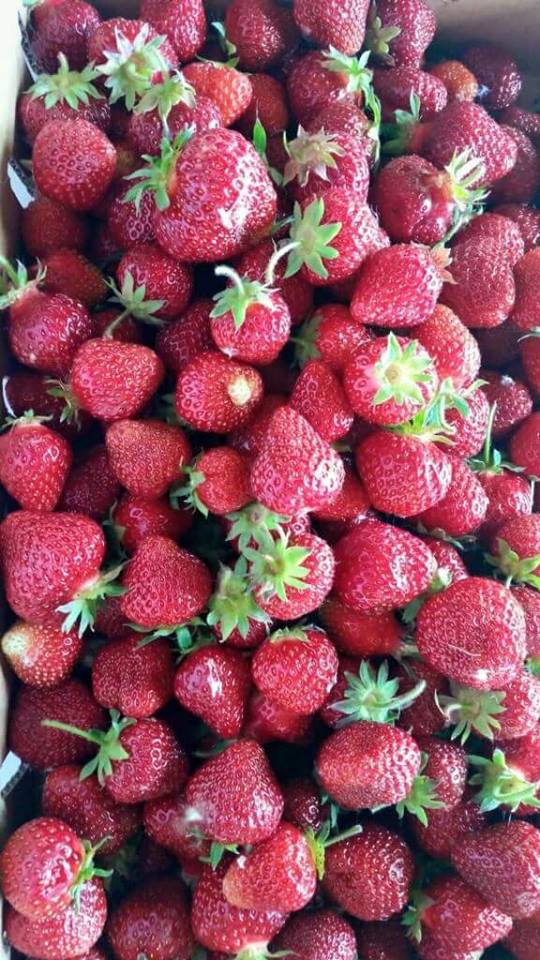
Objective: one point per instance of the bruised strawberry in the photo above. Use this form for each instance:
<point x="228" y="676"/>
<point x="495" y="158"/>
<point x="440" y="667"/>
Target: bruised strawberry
<point x="167" y="821"/>
<point x="303" y="805"/>
<point x="216" y="394"/>
<point x="61" y="29"/>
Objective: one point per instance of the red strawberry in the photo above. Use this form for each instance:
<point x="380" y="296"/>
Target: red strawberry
<point x="218" y="482"/>
<point x="319" y="397"/>
<point x="250" y="321"/>
<point x="216" y="394"/>
<point x="267" y="722"/>
<point x="448" y="559"/>
<point x="249" y="439"/>
<point x="360" y="634"/>
<point x="509" y="495"/>
<point x="317" y="79"/>
<point x="88" y="808"/>
<point x="527" y="219"/>
<point x="521" y="705"/>
<point x="342" y="116"/>
<point x="317" y="935"/>
<point x="463" y="508"/>
<point x="249" y="809"/>
<point x="167" y="822"/>
<point x="527" y="275"/>
<point x="521" y="184"/>
<point x="473" y="632"/>
<point x="468" y="431"/>
<point x="303" y="806"/>
<point x="423" y="716"/>
<point x="528" y="599"/>
<point x="330" y="335"/>
<point x="512" y="399"/>
<point x="296" y="292"/>
<point x="73" y="163"/>
<point x="482" y="276"/>
<point x="91" y="487"/>
<point x="525" y="445"/>
<point x="219" y="926"/>
<point x="262" y="32"/>
<point x="501" y="862"/>
<point x="34" y="463"/>
<point x="295" y="470"/>
<point x="524" y="940"/>
<point x="268" y="103"/>
<point x="47" y="226"/>
<point x="41" y="656"/>
<point x="342" y="27"/>
<point x="447" y="826"/>
<point x="319" y="162"/>
<point x="515" y="548"/>
<point x="182" y="21"/>
<point x="165" y="585"/>
<point x="278" y="875"/>
<point x="530" y="359"/>
<point x="63" y="28"/>
<point x="146" y="265"/>
<point x="522" y="119"/>
<point x="397" y="287"/>
<point x="296" y="669"/>
<point x="135" y="519"/>
<point x="181" y="340"/>
<point x="230" y="89"/>
<point x="152" y="920"/>
<point x="291" y="576"/>
<point x="72" y="931"/>
<point x="456" y="917"/>
<point x="43" y="747"/>
<point x="113" y="380"/>
<point x="351" y="506"/>
<point x="64" y="95"/>
<point x="147" y="455"/>
<point x="68" y="272"/>
<point x="403" y="475"/>
<point x="401" y="31"/>
<point x="380" y="567"/>
<point x="128" y="222"/>
<point x="497" y="74"/>
<point x="447" y="766"/>
<point x="136" y="680"/>
<point x="495" y="226"/>
<point x="214" y="683"/>
<point x="172" y="102"/>
<point x="369" y="876"/>
<point x="451" y="346"/>
<point x="396" y="86"/>
<point x="463" y="125"/>
<point x="131" y="56"/>
<point x="384" y="940"/>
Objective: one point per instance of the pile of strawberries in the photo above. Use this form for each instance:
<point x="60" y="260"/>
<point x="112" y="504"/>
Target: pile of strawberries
<point x="271" y="550"/>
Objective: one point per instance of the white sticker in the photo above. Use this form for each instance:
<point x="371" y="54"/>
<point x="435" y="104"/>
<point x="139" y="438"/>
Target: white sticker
<point x="21" y="183"/>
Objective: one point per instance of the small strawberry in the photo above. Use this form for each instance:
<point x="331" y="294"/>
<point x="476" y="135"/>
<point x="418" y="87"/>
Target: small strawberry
<point x="165" y="585"/>
<point x="63" y="28"/>
<point x="403" y="475"/>
<point x="527" y="219"/>
<point x="182" y="21"/>
<point x="370" y="564"/>
<point x="267" y="722"/>
<point x="146" y="455"/>
<point x="303" y="806"/>
<point x="460" y="82"/>
<point x="113" y="380"/>
<point x="497" y="74"/>
<point x="318" y="934"/>
<point x="360" y="634"/>
<point x="397" y="287"/>
<point x="350" y="507"/>
<point x="73" y="163"/>
<point x="229" y="89"/>
<point x="291" y="576"/>
<point x="34" y="463"/>
<point x="495" y="226"/>
<point x="261" y="32"/>
<point x="451" y="346"/>
<point x="499" y="346"/>
<point x="88" y="808"/>
<point x="167" y="822"/>
<point x="456" y="917"/>
<point x="521" y="183"/>
<point x="214" y="683"/>
<point x="216" y="394"/>
<point x="463" y="125"/>
<point x="343" y="117"/>
<point x="463" y="508"/>
<point x="182" y="339"/>
<point x="47" y="226"/>
<point x="525" y="445"/>
<point x="135" y="519"/>
<point x="91" y="487"/>
<point x="296" y="669"/>
<point x="152" y="920"/>
<point x="509" y="495"/>
<point x="64" y="95"/>
<point x="163" y="278"/>
<point x="268" y="104"/>
<point x="41" y="656"/>
<point x="320" y="398"/>
<point x="279" y="874"/>
<point x="330" y="335"/>
<point x="399" y="32"/>
<point x="468" y="430"/>
<point x="296" y="292"/>
<point x="172" y="107"/>
<point x="447" y="826"/>
<point x="70" y="273"/>
<point x="249" y="439"/>
<point x="319" y="161"/>
<point x="217" y="482"/>
<point x="396" y="86"/>
<point x="516" y="549"/>
<point x="369" y="876"/>
<point x="474" y="633"/>
<point x="127" y="222"/>
<point x="133" y="679"/>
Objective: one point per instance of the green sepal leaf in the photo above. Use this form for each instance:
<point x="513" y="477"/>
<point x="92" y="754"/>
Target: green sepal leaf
<point x="72" y="87"/>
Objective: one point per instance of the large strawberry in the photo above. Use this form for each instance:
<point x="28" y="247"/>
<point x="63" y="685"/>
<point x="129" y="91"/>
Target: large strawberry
<point x="296" y="669"/>
<point x="399" y="32"/>
<point x="152" y="920"/>
<point x="339" y="25"/>
<point x="41" y="656"/>
<point x="113" y="380"/>
<point x="398" y="287"/>
<point x="34" y="463"/>
<point x="147" y="455"/>
<point x="318" y="934"/>
<point x="456" y="917"/>
<point x="495" y="226"/>
<point x="214" y="683"/>
<point x="73" y="163"/>
<point x="463" y="125"/>
<point x="262" y="32"/>
<point x="404" y="475"/>
<point x="63" y="28"/>
<point x="136" y="680"/>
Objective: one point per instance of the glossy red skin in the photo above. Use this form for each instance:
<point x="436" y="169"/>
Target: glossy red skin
<point x="384" y="940"/>
<point x="397" y="287"/>
<point x="350" y="172"/>
<point x="311" y="87"/>
<point x="319" y="397"/>
<point x="461" y="919"/>
<point x="525" y="445"/>
<point x="45" y="330"/>
<point x="395" y="86"/>
<point x="484" y="290"/>
<point x="370" y="875"/>
<point x="360" y="634"/>
<point x="182" y="21"/>
<point x="153" y="919"/>
<point x="88" y="808"/>
<point x="521" y="184"/>
<point x="463" y="508"/>
<point x="47" y="558"/>
<point x="527" y="273"/>
<point x="414" y="200"/>
<point x="447" y="766"/>
<point x="162" y="277"/>
<point x="279" y="874"/>
<point x="166" y="585"/>
<point x="423" y="716"/>
<point x="341" y="116"/>
<point x="230" y="89"/>
<point x="521" y="707"/>
<point x="469" y="432"/>
<point x="41" y="656"/>
<point x="262" y="335"/>
<point x="113" y="380"/>
<point x="524" y="120"/>
<point x="138" y="518"/>
<point x="135" y="680"/>
<point x="110" y="621"/>
<point x="147" y="456"/>
<point x="331" y="716"/>
<point x="167" y="821"/>
<point x="318" y="935"/>
<point x="47" y="226"/>
<point x="495" y="226"/>
<point x="296" y="292"/>
<point x="303" y="806"/>
<point x="524" y="940"/>
<point x="207" y="395"/>
<point x="71" y="702"/>
<point x="225" y="487"/>
<point x="501" y="861"/>
<point x="417" y="24"/>
<point x="33" y="114"/>
<point x="262" y="32"/>
<point x="214" y="683"/>
<point x="463" y="124"/>
<point x="156" y="764"/>
<point x="360" y="236"/>
<point x="339" y="25"/>
<point x="267" y="722"/>
<point x="91" y="487"/>
<point x="527" y="219"/>
<point x="73" y="163"/>
<point x="403" y="475"/>
<point x="529" y="601"/>
<point x="235" y="795"/>
<point x="126" y="224"/>
<point x="39" y="865"/>
<point x="514" y="402"/>
<point x="451" y="346"/>
<point x="448" y="558"/>
<point x="446" y="827"/>
<point x="72" y="274"/>
<point x="296" y="674"/>
<point x="337" y="335"/>
<point x="522" y="534"/>
<point x="498" y="75"/>
<point x="34" y="464"/>
<point x="268" y="102"/>
<point x="104" y="39"/>
<point x="71" y="931"/>
<point x="182" y="339"/>
<point x="64" y="29"/>
<point x="257" y="632"/>
<point x="317" y="582"/>
<point x="219" y="926"/>
<point x="145" y="130"/>
<point x="249" y="438"/>
<point x="296" y="470"/>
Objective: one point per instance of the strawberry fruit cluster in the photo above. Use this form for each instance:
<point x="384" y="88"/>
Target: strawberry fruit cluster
<point x="271" y="549"/>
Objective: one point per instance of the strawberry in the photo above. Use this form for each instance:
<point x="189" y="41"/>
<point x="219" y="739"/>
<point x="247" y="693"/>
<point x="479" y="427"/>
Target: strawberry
<point x="182" y="21"/>
<point x="447" y="826"/>
<point x="397" y="85"/>
<point x="524" y="940"/>
<point x="448" y="559"/>
<point x="522" y="182"/>
<point x="509" y="495"/>
<point x="295" y="470"/>
<point x="70" y="702"/>
<point x="456" y="916"/>
<point x="331" y="335"/>
<point x="146" y="455"/>
<point x="135" y="519"/>
<point x="216" y="394"/>
<point x="525" y="445"/>
<point x="423" y="716"/>
<point x="451" y="346"/>
<point x="522" y="119"/>
<point x="267" y="722"/>
<point x="317" y="935"/>
<point x="70" y="273"/>
<point x="361" y="693"/>
<point x="152" y="920"/>
<point x="47" y="225"/>
<point x="474" y="633"/>
<point x="128" y="222"/>
<point x="501" y="862"/>
<point x="113" y="380"/>
<point x="63" y="28"/>
<point x="173" y="104"/>
<point x="404" y="475"/>
<point x="482" y="275"/>
<point x="496" y="72"/>
<point x="319" y="161"/>
<point x="219" y="926"/>
<point x="521" y="704"/>
<point x="447" y="766"/>
<point x="73" y="163"/>
<point x="164" y="585"/>
<point x="527" y="219"/>
<point x="249" y="439"/>
<point x="516" y="548"/>
<point x="468" y="431"/>
<point x="164" y="279"/>
<point x="460" y="82"/>
<point x="291" y="576"/>
<point x="369" y="876"/>
<point x="250" y="321"/>
<point x="296" y="669"/>
<point x="227" y="87"/>
<point x="530" y="359"/>
<point x="91" y="487"/>
<point x="318" y="79"/>
<point x="72" y="931"/>
<point x="296" y="292"/>
<point x="508" y="778"/>
<point x="88" y="808"/>
<point x="527" y="276"/>
<point x="133" y="679"/>
<point x="350" y="506"/>
<point x="397" y="287"/>
<point x="303" y="806"/>
<point x="463" y="125"/>
<point x="182" y="339"/>
<point x="359" y="634"/>
<point x="65" y="95"/>
<point x="217" y="482"/>
<point x="463" y="508"/>
<point x="167" y="822"/>
<point x="261" y="32"/>
<point x="319" y="397"/>
<point x="341" y="26"/>
<point x="268" y="104"/>
<point x="34" y="463"/>
<point x="528" y="600"/>
<point x="41" y="656"/>
<point x="130" y="55"/>
<point x="494" y="226"/>
<point x="279" y="874"/>
<point x="214" y="683"/>
<point x="399" y="32"/>
<point x="342" y="116"/>
<point x="368" y="560"/>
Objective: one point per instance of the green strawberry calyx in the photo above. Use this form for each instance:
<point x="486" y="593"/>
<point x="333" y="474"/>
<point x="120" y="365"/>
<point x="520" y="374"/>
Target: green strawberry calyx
<point x="252" y="523"/>
<point x="108" y="741"/>
<point x="359" y="80"/>
<point x="260" y="951"/>
<point x="421" y="798"/>
<point x="87" y="871"/>
<point x="162" y="97"/>
<point x="217" y="852"/>
<point x="412" y="918"/>
<point x="305" y="341"/>
<point x="155" y="176"/>
<point x="467" y="710"/>
<point x="379" y="37"/>
<point x="187" y="637"/>
<point x="275" y="566"/>
<point x="259" y="139"/>
<point x="187" y="490"/>
<point x="133" y="301"/>
<point x="27" y="419"/>
<point x="441" y="581"/>
<point x="66" y="86"/>
<point x="84" y="606"/>
<point x="400" y="372"/>
<point x="61" y="390"/>
<point x="15" y="282"/>
<point x="312" y="238"/>
<point x="372" y="695"/>
<point x="502" y="785"/>
<point x="232" y="606"/>
<point x="514" y="568"/>
<point x="311" y="153"/>
<point x="318" y="842"/>
<point x="241" y="294"/>
<point x="130" y="67"/>
<point x="491" y="462"/>
<point x="398" y="136"/>
<point x="463" y="172"/>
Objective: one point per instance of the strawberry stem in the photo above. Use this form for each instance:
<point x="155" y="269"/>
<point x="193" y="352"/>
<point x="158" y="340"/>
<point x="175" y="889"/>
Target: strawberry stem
<point x="70" y="86"/>
<point x="232" y="606"/>
<point x="276" y="566"/>
<point x="89" y="599"/>
<point x="130" y="67"/>
<point x="110" y="748"/>
<point x="501" y="786"/>
<point x="467" y="710"/>
<point x="133" y="300"/>
<point x="371" y="695"/>
<point x="312" y="239"/>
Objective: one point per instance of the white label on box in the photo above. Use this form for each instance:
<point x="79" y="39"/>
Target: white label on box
<point x="21" y="183"/>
